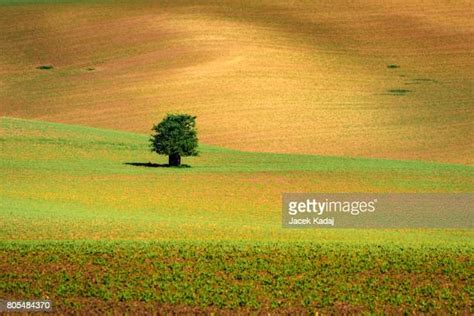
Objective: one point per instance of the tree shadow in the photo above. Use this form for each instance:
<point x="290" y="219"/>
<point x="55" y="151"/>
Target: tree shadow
<point x="154" y="165"/>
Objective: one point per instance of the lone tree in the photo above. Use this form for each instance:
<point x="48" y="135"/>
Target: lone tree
<point x="175" y="136"/>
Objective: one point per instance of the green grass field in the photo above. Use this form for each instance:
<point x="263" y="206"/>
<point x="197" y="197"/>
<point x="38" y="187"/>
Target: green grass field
<point x="73" y="182"/>
<point x="89" y="231"/>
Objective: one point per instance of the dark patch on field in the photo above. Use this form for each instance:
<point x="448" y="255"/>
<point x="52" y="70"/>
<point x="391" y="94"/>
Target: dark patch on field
<point x="420" y="81"/>
<point x="398" y="92"/>
<point x="45" y="67"/>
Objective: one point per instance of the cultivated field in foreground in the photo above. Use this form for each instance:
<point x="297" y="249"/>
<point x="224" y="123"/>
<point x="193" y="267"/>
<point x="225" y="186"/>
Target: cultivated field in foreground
<point x="95" y="234"/>
<point x="139" y="277"/>
<point x="279" y="76"/>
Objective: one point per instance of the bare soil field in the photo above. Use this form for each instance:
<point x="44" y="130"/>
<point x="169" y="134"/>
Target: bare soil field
<point x="384" y="79"/>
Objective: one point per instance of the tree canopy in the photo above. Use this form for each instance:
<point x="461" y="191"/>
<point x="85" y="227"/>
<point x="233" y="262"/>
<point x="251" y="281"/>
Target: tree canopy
<point x="175" y="136"/>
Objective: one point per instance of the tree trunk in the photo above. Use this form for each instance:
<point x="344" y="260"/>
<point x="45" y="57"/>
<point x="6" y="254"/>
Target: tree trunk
<point x="174" y="160"/>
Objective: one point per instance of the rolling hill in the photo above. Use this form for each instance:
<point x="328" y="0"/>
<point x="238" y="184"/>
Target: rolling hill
<point x="381" y="79"/>
<point x="291" y="96"/>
